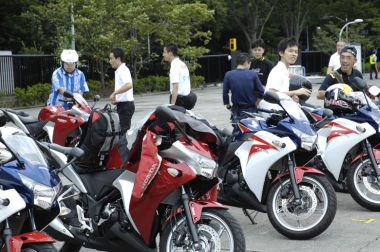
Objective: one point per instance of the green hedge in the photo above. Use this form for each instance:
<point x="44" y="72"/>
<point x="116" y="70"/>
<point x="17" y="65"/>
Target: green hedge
<point x="161" y="83"/>
<point x="39" y="93"/>
<point x="32" y="95"/>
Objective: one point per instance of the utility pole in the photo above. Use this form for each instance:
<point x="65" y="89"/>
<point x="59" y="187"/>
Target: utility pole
<point x="72" y="28"/>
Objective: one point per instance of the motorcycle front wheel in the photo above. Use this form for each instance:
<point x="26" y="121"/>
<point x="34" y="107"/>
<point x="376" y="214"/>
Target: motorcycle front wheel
<point x="363" y="185"/>
<point x="217" y="230"/>
<point x="305" y="219"/>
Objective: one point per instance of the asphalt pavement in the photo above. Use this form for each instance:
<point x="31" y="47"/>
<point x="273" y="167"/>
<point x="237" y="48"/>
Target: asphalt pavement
<point x="353" y="229"/>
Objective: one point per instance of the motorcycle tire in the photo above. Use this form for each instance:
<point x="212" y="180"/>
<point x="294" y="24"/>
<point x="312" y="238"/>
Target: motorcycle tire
<point x="359" y="180"/>
<point x="317" y="195"/>
<point x="39" y="247"/>
<point x="176" y="230"/>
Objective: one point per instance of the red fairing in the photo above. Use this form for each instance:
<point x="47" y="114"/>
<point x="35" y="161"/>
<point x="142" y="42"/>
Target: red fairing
<point x="376" y="153"/>
<point x="114" y="159"/>
<point x="46" y="113"/>
<point x="299" y="172"/>
<point x="16" y="242"/>
<point x="196" y="208"/>
<point x="148" y="166"/>
<point x="64" y="125"/>
<point x="199" y="147"/>
<point x="143" y="210"/>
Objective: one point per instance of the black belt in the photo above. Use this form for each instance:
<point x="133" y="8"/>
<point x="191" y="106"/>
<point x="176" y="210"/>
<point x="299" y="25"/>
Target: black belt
<point x="126" y="102"/>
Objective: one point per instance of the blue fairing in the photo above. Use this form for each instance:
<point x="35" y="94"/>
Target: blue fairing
<point x="284" y="128"/>
<point x="365" y="115"/>
<point x="9" y="177"/>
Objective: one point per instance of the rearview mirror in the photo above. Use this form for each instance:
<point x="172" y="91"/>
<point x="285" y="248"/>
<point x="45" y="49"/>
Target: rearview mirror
<point x="96" y="98"/>
<point x="165" y="113"/>
<point x="327" y="112"/>
<point x="271" y="97"/>
<point x="359" y="83"/>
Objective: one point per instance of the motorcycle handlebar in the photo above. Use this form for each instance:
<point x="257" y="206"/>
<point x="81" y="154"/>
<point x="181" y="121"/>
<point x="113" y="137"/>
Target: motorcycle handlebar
<point x="71" y="151"/>
<point x="271" y="111"/>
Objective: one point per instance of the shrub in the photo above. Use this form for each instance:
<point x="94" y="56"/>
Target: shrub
<point x="32" y="95"/>
<point x="197" y="81"/>
<point x="161" y="83"/>
<point x="95" y="88"/>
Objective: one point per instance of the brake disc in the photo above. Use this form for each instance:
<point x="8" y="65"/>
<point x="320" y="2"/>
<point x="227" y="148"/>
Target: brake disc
<point x="307" y="196"/>
<point x="370" y="185"/>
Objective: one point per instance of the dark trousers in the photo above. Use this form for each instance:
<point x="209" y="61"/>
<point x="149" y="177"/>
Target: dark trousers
<point x="125" y="111"/>
<point x="373" y="69"/>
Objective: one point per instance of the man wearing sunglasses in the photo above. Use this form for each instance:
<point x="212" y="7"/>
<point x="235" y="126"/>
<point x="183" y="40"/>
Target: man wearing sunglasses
<point x="345" y="74"/>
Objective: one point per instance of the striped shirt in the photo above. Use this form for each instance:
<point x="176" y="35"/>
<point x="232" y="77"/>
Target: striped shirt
<point x="74" y="82"/>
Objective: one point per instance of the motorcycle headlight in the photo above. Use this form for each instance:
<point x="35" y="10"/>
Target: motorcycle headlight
<point x="203" y="165"/>
<point x="308" y="142"/>
<point x="208" y="167"/>
<point x="44" y="196"/>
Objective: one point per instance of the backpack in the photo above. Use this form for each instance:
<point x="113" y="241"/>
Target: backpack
<point x="101" y="135"/>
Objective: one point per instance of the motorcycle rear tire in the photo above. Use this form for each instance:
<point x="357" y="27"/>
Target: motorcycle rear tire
<point x="39" y="247"/>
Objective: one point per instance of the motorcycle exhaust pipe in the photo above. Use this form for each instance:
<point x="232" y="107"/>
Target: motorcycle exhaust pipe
<point x="134" y="243"/>
<point x="249" y="198"/>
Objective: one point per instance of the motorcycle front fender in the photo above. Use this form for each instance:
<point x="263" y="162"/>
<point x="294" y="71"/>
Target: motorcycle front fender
<point x="376" y="153"/>
<point x="299" y="172"/>
<point x="16" y="242"/>
<point x="196" y="208"/>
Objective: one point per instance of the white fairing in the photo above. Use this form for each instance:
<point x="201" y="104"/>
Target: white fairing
<point x="346" y="135"/>
<point x="16" y="203"/>
<point x="49" y="128"/>
<point x="255" y="166"/>
<point x="124" y="183"/>
<point x="60" y="227"/>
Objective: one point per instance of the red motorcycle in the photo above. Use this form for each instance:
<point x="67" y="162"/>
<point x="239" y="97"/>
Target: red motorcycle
<point x="66" y="123"/>
<point x="167" y="190"/>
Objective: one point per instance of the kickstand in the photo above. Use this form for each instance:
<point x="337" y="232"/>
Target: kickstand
<point x="252" y="219"/>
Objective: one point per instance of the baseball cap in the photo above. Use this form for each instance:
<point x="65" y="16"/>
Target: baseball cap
<point x="350" y="49"/>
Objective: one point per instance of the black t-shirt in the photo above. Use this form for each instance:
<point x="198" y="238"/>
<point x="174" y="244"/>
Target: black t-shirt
<point x="262" y="67"/>
<point x="347" y="79"/>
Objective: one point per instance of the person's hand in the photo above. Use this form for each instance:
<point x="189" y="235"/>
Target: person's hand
<point x="61" y="90"/>
<point x="303" y="91"/>
<point x="228" y="106"/>
<point x="113" y="98"/>
<point x="295" y="98"/>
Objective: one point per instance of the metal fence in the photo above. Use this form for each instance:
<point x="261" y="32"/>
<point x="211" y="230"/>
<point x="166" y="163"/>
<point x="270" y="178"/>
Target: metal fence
<point x="6" y="75"/>
<point x="314" y="62"/>
<point x="25" y="70"/>
<point x="213" y="67"/>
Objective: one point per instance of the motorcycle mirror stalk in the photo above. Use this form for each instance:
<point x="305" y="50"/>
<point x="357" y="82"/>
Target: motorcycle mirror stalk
<point x="361" y="84"/>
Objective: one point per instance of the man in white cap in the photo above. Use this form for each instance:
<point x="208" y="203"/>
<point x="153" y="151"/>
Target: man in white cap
<point x="67" y="77"/>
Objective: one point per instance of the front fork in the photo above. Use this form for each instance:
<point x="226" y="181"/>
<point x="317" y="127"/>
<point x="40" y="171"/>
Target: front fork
<point x="292" y="165"/>
<point x="372" y="158"/>
<point x="189" y="219"/>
